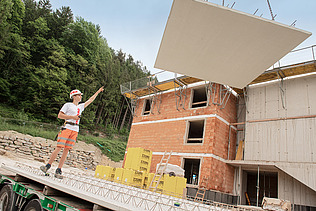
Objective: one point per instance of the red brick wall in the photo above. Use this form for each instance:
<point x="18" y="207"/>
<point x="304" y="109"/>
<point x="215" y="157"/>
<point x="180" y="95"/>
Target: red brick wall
<point x="220" y="175"/>
<point x="171" y="135"/>
<point x="221" y="140"/>
<point x="168" y="109"/>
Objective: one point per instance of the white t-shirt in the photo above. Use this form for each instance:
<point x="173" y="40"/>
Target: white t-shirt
<point x="71" y="109"/>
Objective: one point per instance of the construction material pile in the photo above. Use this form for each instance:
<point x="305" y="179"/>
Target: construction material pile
<point x="136" y="173"/>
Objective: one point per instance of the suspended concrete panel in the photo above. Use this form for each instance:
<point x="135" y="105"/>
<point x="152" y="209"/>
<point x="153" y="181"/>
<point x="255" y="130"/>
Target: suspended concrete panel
<point x="222" y="45"/>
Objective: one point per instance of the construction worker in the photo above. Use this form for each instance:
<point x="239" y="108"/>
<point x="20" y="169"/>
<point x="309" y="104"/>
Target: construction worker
<point x="67" y="137"/>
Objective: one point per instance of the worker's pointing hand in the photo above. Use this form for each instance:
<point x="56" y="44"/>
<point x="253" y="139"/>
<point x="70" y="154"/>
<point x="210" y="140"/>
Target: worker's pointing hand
<point x="101" y="89"/>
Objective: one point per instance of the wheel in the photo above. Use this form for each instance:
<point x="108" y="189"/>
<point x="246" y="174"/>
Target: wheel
<point x="34" y="205"/>
<point x="6" y="198"/>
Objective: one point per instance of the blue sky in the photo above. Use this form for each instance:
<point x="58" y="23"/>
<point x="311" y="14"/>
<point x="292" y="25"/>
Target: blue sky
<point x="137" y="26"/>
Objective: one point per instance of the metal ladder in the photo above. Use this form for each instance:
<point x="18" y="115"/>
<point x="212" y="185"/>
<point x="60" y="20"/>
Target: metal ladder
<point x="159" y="172"/>
<point x="200" y="193"/>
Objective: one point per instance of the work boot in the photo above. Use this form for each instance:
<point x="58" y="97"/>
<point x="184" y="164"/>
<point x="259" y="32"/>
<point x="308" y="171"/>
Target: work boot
<point x="45" y="168"/>
<point x="58" y="173"/>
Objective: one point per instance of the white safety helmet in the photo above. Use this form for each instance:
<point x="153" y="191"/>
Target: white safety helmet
<point x="74" y="92"/>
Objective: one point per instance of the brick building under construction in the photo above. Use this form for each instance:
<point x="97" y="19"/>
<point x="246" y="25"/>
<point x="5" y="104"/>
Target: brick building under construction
<point x="262" y="136"/>
<point x="245" y="143"/>
<point x="196" y="131"/>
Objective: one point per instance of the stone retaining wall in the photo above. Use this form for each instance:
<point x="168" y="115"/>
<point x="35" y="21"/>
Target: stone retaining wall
<point x="41" y="149"/>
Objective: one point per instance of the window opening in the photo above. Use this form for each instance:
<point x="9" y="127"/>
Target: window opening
<point x="147" y="107"/>
<point x="199" y="98"/>
<point x="192" y="170"/>
<point x="196" y="131"/>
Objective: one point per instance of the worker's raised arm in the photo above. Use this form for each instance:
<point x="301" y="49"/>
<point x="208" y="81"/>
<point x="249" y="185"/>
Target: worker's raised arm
<point x="91" y="99"/>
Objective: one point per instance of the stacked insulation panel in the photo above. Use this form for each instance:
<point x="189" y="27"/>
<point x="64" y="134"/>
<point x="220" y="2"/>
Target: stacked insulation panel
<point x="136" y="173"/>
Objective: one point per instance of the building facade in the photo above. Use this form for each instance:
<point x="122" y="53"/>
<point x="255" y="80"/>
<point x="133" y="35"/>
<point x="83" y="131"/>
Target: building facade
<point x="198" y="133"/>
<point x="280" y="143"/>
<point x="260" y="142"/>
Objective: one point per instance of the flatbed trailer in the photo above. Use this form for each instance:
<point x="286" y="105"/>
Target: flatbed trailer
<point x="83" y="192"/>
<point x="18" y="193"/>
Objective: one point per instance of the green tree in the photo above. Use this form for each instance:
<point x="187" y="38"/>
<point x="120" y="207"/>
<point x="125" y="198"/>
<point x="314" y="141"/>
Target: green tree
<point x="5" y="14"/>
<point x="58" y="21"/>
<point x="82" y="38"/>
<point x="44" y="54"/>
<point x="15" y="51"/>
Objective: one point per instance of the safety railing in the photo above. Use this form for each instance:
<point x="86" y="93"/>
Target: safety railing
<point x="297" y="57"/>
<point x="161" y="76"/>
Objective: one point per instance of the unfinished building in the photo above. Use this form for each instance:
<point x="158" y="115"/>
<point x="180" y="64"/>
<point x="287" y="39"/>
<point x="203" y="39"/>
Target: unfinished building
<point x="255" y="141"/>
<point x="196" y="130"/>
<point x="279" y="120"/>
<point x="258" y="142"/>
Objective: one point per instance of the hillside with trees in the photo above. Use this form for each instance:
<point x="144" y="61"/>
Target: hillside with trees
<point x="46" y="53"/>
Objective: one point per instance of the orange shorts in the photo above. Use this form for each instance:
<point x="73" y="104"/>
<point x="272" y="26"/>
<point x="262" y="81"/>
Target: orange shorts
<point x="67" y="138"/>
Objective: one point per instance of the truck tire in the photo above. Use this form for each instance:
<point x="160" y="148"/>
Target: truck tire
<point x="6" y="198"/>
<point x="34" y="205"/>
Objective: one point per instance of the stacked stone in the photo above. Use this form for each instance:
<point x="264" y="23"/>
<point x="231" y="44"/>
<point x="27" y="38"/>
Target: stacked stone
<point x="40" y="148"/>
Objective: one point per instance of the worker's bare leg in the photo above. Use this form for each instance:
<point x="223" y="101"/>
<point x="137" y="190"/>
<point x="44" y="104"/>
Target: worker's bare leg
<point x="51" y="160"/>
<point x="54" y="155"/>
<point x="63" y="158"/>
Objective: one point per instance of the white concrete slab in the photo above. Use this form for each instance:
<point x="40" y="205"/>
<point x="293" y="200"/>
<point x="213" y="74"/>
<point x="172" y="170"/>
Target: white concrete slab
<point x="222" y="45"/>
<point x="108" y="194"/>
<point x="71" y="189"/>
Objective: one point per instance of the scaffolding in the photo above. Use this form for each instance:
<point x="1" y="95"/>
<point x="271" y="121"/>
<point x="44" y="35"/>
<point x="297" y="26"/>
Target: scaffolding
<point x="151" y="87"/>
<point x="180" y="93"/>
<point x="217" y="94"/>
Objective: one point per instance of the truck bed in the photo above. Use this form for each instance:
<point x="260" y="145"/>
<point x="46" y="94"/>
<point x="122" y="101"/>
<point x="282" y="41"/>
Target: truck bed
<point x="82" y="190"/>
